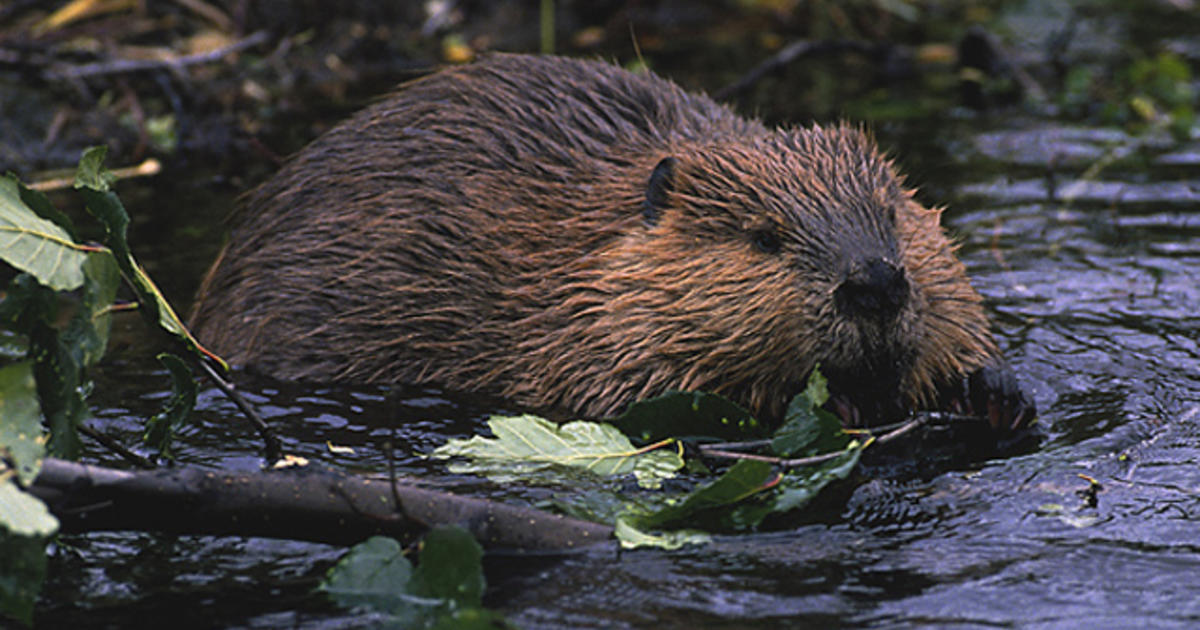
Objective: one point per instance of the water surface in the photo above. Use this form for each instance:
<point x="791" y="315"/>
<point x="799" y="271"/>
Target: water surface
<point x="1092" y="278"/>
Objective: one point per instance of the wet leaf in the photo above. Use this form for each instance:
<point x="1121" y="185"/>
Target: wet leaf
<point x="444" y="591"/>
<point x="88" y="330"/>
<point x="160" y="430"/>
<point x="797" y="488"/>
<point x="35" y="245"/>
<point x="807" y="428"/>
<point x="23" y="514"/>
<point x="632" y="538"/>
<point x="742" y="480"/>
<point x="21" y="575"/>
<point x="94" y="183"/>
<point x="373" y="575"/>
<point x="39" y="203"/>
<point x="59" y="375"/>
<point x="801" y="485"/>
<point x="449" y="568"/>
<point x="532" y="443"/>
<point x="21" y="438"/>
<point x="684" y="414"/>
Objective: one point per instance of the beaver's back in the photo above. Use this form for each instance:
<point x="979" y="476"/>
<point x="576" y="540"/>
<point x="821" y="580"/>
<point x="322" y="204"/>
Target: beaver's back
<point x="401" y="231"/>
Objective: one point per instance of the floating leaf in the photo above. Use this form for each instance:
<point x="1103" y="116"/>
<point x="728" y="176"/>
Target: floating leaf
<point x="631" y="537"/>
<point x="35" y="245"/>
<point x="21" y="438"/>
<point x="449" y="568"/>
<point x="160" y="430"/>
<point x="373" y="575"/>
<point x="683" y="414"/>
<point x="444" y="591"/>
<point x="536" y="443"/>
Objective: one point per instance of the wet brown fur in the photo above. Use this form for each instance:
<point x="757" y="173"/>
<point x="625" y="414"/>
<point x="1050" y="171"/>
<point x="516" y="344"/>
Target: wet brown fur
<point x="483" y="228"/>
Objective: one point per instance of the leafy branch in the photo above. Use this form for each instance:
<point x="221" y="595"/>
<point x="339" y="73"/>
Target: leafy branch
<point x="43" y="373"/>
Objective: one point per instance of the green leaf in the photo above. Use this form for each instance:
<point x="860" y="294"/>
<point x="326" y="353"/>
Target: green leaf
<point x="450" y="568"/>
<point x="32" y="308"/>
<point x="807" y="428"/>
<point x="88" y="329"/>
<point x="35" y="245"/>
<point x="92" y="174"/>
<point x="94" y="183"/>
<point x="797" y="489"/>
<point x="23" y="514"/>
<point x="742" y="480"/>
<point x="160" y="430"/>
<point x="631" y="537"/>
<point x="39" y="203"/>
<point x="21" y="438"/>
<point x="373" y="575"/>
<point x="27" y="305"/>
<point x="445" y="591"/>
<point x="59" y="380"/>
<point x="801" y="485"/>
<point x="816" y="391"/>
<point x="683" y="414"/>
<point x="531" y="443"/>
<point x="21" y="575"/>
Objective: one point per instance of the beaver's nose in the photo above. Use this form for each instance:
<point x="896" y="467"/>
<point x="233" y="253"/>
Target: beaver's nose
<point x="874" y="288"/>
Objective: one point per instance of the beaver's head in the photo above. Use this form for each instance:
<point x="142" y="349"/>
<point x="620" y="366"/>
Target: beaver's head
<point x="760" y="258"/>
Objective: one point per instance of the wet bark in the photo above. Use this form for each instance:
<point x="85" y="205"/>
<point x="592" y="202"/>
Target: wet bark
<point x="298" y="503"/>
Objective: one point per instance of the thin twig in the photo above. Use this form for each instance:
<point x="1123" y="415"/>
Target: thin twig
<point x="734" y="446"/>
<point x="273" y="447"/>
<point x="60" y="72"/>
<point x="148" y="167"/>
<point x="900" y="430"/>
<point x="770" y="459"/>
<point x="117" y="447"/>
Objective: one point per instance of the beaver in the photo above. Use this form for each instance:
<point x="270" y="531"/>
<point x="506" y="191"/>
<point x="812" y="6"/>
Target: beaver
<point x="574" y="236"/>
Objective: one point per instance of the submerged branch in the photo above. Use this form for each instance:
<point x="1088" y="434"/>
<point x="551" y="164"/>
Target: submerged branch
<point x="297" y="503"/>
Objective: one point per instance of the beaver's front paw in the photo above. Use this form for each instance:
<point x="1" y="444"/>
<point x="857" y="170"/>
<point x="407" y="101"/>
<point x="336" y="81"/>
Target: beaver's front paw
<point x="994" y="393"/>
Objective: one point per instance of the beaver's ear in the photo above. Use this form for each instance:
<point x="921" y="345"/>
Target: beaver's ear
<point x="661" y="184"/>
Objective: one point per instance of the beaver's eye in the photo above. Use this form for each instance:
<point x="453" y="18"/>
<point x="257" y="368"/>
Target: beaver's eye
<point x="766" y="240"/>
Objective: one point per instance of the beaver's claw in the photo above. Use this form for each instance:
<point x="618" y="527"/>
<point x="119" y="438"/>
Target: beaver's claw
<point x="993" y="392"/>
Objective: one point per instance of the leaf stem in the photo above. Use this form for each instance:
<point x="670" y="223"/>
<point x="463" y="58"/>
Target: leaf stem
<point x="657" y="445"/>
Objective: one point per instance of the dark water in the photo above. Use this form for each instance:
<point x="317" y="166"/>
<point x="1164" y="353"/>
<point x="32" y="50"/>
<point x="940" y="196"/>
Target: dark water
<point x="1093" y="284"/>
